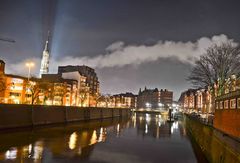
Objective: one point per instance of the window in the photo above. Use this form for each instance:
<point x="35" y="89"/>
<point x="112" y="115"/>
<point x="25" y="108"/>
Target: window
<point x="221" y="105"/>
<point x="238" y="103"/>
<point x="13" y="94"/>
<point x="226" y="104"/>
<point x="28" y="95"/>
<point x="217" y="105"/>
<point x="232" y="104"/>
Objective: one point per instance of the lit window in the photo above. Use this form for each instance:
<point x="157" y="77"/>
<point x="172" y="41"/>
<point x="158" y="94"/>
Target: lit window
<point x="233" y="104"/>
<point x="217" y="105"/>
<point x="226" y="104"/>
<point x="238" y="103"/>
<point x="221" y="105"/>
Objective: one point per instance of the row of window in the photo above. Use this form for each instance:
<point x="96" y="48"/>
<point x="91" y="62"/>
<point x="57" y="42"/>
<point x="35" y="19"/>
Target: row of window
<point x="228" y="104"/>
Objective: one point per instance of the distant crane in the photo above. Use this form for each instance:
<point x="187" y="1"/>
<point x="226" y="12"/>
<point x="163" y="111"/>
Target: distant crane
<point x="7" y="40"/>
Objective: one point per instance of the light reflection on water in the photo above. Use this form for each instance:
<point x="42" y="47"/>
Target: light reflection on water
<point x="86" y="142"/>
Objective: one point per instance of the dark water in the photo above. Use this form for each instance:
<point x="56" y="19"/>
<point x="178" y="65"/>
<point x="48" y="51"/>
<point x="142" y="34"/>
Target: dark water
<point x="143" y="138"/>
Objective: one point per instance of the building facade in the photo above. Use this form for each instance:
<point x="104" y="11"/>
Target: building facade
<point x="196" y="100"/>
<point x="91" y="80"/>
<point x="227" y="108"/>
<point x="88" y="72"/>
<point x="125" y="100"/>
<point x="166" y="97"/>
<point x="153" y="98"/>
<point x="13" y="89"/>
<point x="68" y="89"/>
<point x="148" y="98"/>
<point x="59" y="91"/>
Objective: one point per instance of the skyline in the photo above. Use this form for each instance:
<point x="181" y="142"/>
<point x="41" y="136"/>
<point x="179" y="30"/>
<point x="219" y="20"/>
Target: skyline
<point x="88" y="33"/>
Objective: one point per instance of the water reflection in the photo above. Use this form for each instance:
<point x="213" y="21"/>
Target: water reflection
<point x="65" y="141"/>
<point x="72" y="140"/>
<point x="152" y="125"/>
<point x="87" y="141"/>
<point x="11" y="154"/>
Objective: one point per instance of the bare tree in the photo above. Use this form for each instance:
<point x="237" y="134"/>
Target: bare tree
<point x="35" y="88"/>
<point x="97" y="98"/>
<point x="83" y="94"/>
<point x="215" y="66"/>
<point x="49" y="93"/>
<point x="107" y="100"/>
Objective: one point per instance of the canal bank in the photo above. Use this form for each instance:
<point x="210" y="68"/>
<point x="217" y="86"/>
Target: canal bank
<point x="21" y="116"/>
<point x="217" y="146"/>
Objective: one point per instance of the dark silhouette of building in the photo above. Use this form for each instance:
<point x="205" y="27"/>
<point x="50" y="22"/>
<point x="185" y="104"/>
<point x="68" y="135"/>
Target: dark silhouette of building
<point x="92" y="79"/>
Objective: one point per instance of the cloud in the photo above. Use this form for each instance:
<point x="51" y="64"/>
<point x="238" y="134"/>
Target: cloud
<point x="119" y="54"/>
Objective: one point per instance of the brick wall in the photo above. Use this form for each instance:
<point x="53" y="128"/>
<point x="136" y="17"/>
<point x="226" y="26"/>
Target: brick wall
<point x="228" y="121"/>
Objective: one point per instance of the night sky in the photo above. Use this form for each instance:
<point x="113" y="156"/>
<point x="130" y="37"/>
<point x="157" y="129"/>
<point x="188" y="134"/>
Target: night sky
<point x="131" y="44"/>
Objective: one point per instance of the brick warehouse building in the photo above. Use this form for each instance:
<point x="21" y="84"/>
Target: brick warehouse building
<point x="152" y="98"/>
<point x="196" y="100"/>
<point x="227" y="108"/>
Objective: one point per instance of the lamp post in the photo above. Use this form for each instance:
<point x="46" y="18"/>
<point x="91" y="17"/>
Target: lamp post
<point x="29" y="65"/>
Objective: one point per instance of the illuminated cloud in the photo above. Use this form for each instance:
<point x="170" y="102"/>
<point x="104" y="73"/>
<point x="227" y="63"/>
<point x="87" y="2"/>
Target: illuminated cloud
<point x="118" y="54"/>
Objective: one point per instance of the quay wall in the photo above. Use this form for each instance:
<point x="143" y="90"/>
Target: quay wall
<point x="15" y="116"/>
<point x="217" y="146"/>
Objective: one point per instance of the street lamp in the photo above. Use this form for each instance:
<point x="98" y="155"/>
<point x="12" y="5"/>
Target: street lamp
<point x="160" y="105"/>
<point x="29" y="65"/>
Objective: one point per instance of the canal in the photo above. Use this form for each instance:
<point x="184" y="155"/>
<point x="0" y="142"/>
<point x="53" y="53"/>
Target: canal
<point x="142" y="138"/>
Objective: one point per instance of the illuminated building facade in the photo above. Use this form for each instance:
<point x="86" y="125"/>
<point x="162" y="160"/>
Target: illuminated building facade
<point x="126" y="100"/>
<point x="88" y="72"/>
<point x="91" y="79"/>
<point x="51" y="89"/>
<point x="148" y="98"/>
<point x="14" y="91"/>
<point x="12" y="87"/>
<point x="60" y="91"/>
<point x="166" y="97"/>
<point x="83" y="93"/>
<point x="153" y="98"/>
<point x="227" y="107"/>
<point x="196" y="100"/>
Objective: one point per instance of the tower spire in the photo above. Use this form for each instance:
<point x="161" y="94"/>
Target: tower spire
<point x="45" y="58"/>
<point x="47" y="41"/>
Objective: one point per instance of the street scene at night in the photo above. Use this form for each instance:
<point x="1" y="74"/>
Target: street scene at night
<point x="130" y="81"/>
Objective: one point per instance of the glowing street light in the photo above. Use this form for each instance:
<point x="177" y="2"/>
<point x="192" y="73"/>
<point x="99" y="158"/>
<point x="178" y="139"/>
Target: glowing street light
<point x="160" y="104"/>
<point x="29" y="65"/>
<point x="148" y="105"/>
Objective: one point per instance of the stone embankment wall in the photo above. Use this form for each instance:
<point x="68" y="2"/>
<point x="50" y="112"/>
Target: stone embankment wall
<point x="228" y="121"/>
<point x="14" y="116"/>
<point x="217" y="146"/>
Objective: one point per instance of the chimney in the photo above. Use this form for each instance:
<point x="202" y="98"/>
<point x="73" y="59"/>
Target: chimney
<point x="2" y="66"/>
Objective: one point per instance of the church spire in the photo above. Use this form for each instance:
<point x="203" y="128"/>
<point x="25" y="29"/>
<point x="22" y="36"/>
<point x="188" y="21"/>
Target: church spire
<point x="45" y="58"/>
<point x="46" y="44"/>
